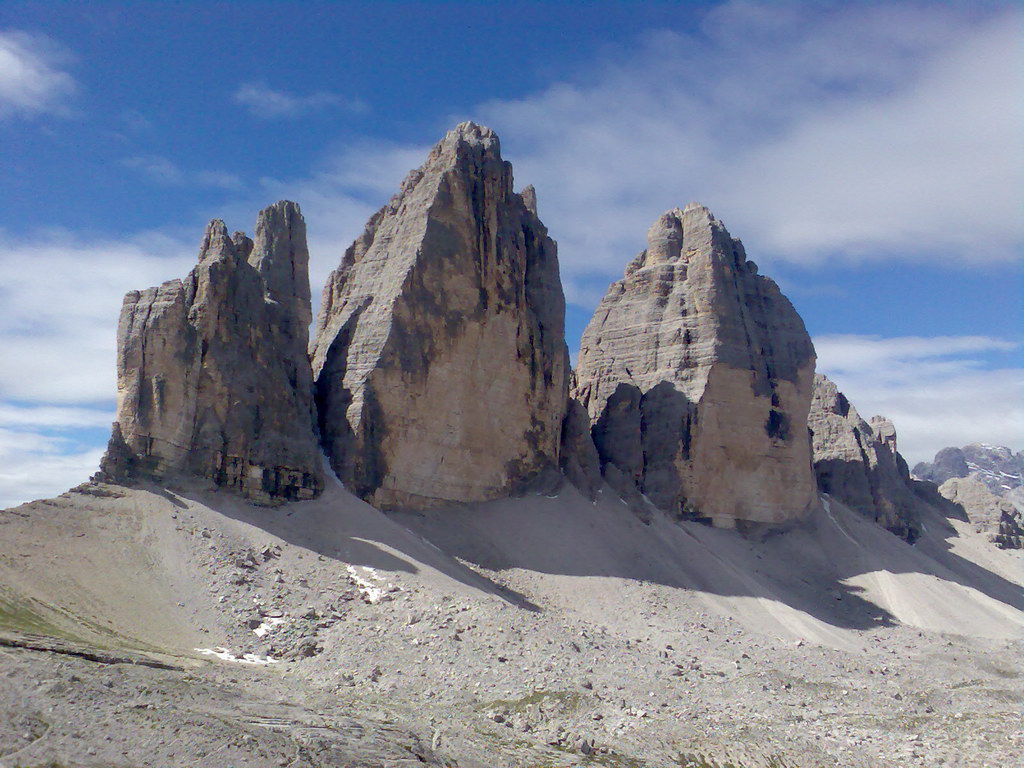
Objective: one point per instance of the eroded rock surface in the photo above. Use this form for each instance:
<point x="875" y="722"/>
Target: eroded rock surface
<point x="857" y="462"/>
<point x="213" y="377"/>
<point x="697" y="373"/>
<point x="579" y="460"/>
<point x="440" y="359"/>
<point x="998" y="467"/>
<point x="999" y="518"/>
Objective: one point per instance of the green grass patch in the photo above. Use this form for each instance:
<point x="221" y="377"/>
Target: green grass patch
<point x="22" y="617"/>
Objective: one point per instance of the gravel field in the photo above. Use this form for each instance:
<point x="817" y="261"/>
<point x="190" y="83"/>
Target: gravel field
<point x="143" y="627"/>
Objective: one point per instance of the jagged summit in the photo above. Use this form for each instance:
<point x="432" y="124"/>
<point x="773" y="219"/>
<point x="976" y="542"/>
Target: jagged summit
<point x="440" y="360"/>
<point x="213" y="378"/>
<point x="856" y="461"/>
<point x="705" y="369"/>
<point x="997" y="466"/>
<point x="470" y="131"/>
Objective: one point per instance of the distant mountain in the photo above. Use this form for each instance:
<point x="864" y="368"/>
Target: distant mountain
<point x="988" y="482"/>
<point x="998" y="467"/>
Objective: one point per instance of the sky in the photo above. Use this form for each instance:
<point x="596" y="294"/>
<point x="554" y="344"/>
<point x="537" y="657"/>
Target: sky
<point x="869" y="155"/>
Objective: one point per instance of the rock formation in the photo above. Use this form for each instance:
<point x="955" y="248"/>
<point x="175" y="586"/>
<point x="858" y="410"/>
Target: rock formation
<point x="997" y="517"/>
<point x="987" y="482"/>
<point x="998" y="467"/>
<point x="579" y="459"/>
<point x="213" y="376"/>
<point x="440" y="359"/>
<point x="857" y="462"/>
<point x="697" y="374"/>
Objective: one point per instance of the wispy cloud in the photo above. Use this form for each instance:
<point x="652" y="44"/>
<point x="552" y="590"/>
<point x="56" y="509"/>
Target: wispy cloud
<point x="853" y="131"/>
<point x="165" y="171"/>
<point x="939" y="391"/>
<point x="32" y="78"/>
<point x="59" y="306"/>
<point x="48" y="417"/>
<point x="35" y="466"/>
<point x="44" y="450"/>
<point x="268" y="103"/>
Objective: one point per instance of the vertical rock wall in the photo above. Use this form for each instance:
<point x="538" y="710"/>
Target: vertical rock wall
<point x="440" y="360"/>
<point x="857" y="462"/>
<point x="697" y="373"/>
<point x="213" y="377"/>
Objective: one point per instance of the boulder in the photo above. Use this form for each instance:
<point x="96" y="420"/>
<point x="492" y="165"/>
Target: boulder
<point x="440" y="361"/>
<point x="213" y="376"/>
<point x="720" y="374"/>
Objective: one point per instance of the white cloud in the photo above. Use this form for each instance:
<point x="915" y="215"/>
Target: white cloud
<point x="164" y="171"/>
<point x="31" y="78"/>
<point x="816" y="132"/>
<point x="34" y="466"/>
<point x="338" y="200"/>
<point x="269" y="103"/>
<point x="938" y="391"/>
<point x="43" y="417"/>
<point x="59" y="306"/>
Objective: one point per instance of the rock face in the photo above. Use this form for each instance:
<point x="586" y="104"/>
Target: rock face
<point x="997" y="517"/>
<point x="987" y="482"/>
<point x="579" y="459"/>
<point x="697" y="374"/>
<point x="857" y="462"/>
<point x="440" y="359"/>
<point x="213" y="376"/>
<point x="998" y="467"/>
<point x="949" y="463"/>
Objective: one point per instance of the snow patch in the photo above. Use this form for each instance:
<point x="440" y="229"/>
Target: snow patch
<point x="365" y="583"/>
<point x="828" y="511"/>
<point x="246" y="658"/>
<point x="267" y="625"/>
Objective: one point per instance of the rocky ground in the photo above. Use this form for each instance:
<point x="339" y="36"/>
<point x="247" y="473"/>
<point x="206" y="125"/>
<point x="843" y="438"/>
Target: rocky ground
<point x="537" y="632"/>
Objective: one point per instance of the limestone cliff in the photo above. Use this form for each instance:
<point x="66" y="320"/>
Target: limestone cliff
<point x="440" y="359"/>
<point x="213" y="377"/>
<point x="697" y="373"/>
<point x="857" y="462"/>
<point x="999" y="518"/>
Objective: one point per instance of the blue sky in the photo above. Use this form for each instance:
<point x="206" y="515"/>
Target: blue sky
<point x="871" y="157"/>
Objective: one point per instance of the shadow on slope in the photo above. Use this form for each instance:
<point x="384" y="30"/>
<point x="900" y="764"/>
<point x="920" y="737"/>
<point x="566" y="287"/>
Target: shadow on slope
<point x="804" y="582"/>
<point x="127" y="567"/>
<point x="341" y="527"/>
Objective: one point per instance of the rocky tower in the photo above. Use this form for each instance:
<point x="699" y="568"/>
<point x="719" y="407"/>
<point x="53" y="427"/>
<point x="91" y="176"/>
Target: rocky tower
<point x="857" y="462"/>
<point x="440" y="359"/>
<point x="213" y="376"/>
<point x="698" y="373"/>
